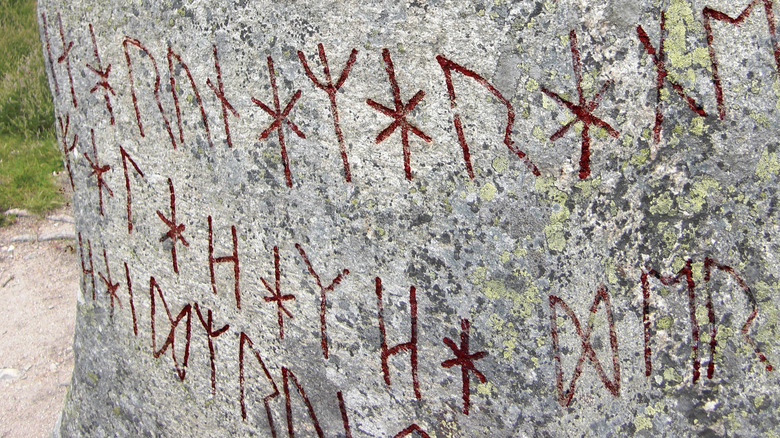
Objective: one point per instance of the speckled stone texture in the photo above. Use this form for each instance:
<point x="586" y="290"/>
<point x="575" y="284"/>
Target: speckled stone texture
<point x="452" y="218"/>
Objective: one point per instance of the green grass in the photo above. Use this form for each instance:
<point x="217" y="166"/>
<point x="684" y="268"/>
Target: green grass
<point x="26" y="167"/>
<point x="28" y="151"/>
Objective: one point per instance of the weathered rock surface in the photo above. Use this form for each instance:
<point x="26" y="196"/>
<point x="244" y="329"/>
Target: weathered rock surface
<point x="431" y="218"/>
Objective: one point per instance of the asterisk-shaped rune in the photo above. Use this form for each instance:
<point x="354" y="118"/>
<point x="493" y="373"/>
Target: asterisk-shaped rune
<point x="583" y="110"/>
<point x="399" y="114"/>
<point x="465" y="360"/>
<point x="276" y="295"/>
<point x="175" y="230"/>
<point x="98" y="171"/>
<point x="111" y="287"/>
<point x="280" y="116"/>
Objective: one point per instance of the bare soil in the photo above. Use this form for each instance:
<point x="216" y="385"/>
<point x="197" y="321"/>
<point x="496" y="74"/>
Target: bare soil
<point x="38" y="287"/>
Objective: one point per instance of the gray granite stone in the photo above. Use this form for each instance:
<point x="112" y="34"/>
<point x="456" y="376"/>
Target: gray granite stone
<point x="555" y="292"/>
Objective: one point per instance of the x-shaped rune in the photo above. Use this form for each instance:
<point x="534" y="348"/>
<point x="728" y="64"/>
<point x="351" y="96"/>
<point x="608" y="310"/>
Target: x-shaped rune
<point x="111" y="287"/>
<point x="175" y="230"/>
<point x="465" y="360"/>
<point x="98" y="171"/>
<point x="662" y="77"/>
<point x="280" y="116"/>
<point x="399" y="114"/>
<point x="276" y="295"/>
<point x="582" y="110"/>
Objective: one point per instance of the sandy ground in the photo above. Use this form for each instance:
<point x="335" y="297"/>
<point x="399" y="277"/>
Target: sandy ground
<point x="38" y="286"/>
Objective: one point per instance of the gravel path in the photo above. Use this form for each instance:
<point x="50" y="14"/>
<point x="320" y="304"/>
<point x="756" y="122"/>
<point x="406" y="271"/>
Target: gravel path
<point x="38" y="286"/>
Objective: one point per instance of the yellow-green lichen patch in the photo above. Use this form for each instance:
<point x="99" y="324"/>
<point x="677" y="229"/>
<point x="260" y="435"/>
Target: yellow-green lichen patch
<point x="609" y="269"/>
<point x="641" y="422"/>
<point x="680" y="20"/>
<point x="500" y="163"/>
<point x="554" y="231"/>
<point x="641" y="157"/>
<point x="488" y="192"/>
<point x="697" y="126"/>
<point x="628" y="140"/>
<point x="506" y="333"/>
<point x="697" y="196"/>
<point x="665" y="323"/>
<point x="531" y="85"/>
<point x="587" y="186"/>
<point x="760" y="118"/>
<point x="671" y="375"/>
<point x="530" y="297"/>
<point x="487" y="389"/>
<point x="662" y="204"/>
<point x="768" y="165"/>
<point x="538" y="134"/>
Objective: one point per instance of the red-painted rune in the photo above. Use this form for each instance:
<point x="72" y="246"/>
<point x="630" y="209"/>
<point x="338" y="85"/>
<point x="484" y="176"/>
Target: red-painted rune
<point x="170" y="340"/>
<point x="582" y="110"/>
<point x="49" y="55"/>
<point x="208" y="325"/>
<point x="587" y="351"/>
<point x="98" y="171"/>
<point x="125" y="158"/>
<point x="323" y="290"/>
<point x="103" y="75"/>
<point x="385" y="352"/>
<point x="713" y="14"/>
<point x="331" y="88"/>
<point x="685" y="274"/>
<point x="84" y="270"/>
<point x="225" y="259"/>
<point x="65" y="149"/>
<point x="465" y="361"/>
<point x="399" y="114"/>
<point x="276" y="295"/>
<point x="132" y="303"/>
<point x="412" y="428"/>
<point x="280" y="117"/>
<point x="288" y="376"/>
<point x="710" y="263"/>
<point x="245" y="339"/>
<point x="111" y="287"/>
<point x="171" y="56"/>
<point x="662" y="77"/>
<point x="174" y="230"/>
<point x="128" y="41"/>
<point x="65" y="57"/>
<point x="219" y="90"/>
<point x="448" y="66"/>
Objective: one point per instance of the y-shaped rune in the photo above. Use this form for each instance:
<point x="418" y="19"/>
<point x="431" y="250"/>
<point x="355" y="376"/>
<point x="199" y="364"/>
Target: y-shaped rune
<point x="280" y="116"/>
<point x="329" y="87"/>
<point x="583" y="110"/>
